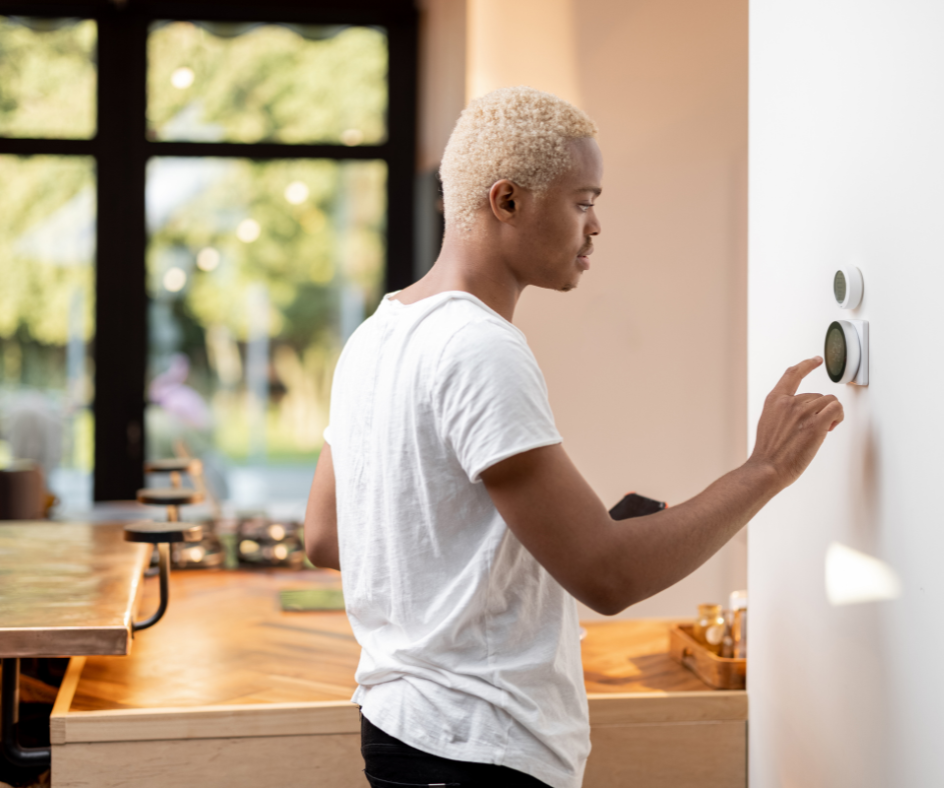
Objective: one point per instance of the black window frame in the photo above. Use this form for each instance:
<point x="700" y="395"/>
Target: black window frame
<point x="121" y="151"/>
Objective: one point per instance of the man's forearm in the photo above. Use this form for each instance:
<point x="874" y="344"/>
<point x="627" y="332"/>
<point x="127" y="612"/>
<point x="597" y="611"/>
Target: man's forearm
<point x="651" y="553"/>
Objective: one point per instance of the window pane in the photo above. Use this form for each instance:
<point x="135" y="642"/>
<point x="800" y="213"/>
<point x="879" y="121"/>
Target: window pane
<point x="47" y="78"/>
<point x="47" y="318"/>
<point x="257" y="273"/>
<point x="211" y="81"/>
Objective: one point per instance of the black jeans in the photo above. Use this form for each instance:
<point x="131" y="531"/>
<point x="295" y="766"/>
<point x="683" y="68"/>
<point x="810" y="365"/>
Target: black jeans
<point x="392" y="764"/>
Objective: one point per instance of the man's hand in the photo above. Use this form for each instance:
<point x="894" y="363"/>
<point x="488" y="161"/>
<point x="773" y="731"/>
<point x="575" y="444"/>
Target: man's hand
<point x="793" y="426"/>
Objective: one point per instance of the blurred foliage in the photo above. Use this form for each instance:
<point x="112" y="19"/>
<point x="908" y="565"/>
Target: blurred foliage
<point x="297" y="253"/>
<point x="39" y="280"/>
<point x="269" y="83"/>
<point x="303" y="252"/>
<point x="47" y="80"/>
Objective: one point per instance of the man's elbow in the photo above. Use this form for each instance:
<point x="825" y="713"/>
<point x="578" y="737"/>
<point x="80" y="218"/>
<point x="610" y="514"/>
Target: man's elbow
<point x="313" y="551"/>
<point x="322" y="551"/>
<point x="605" y="605"/>
<point x="323" y="558"/>
<point x="610" y="598"/>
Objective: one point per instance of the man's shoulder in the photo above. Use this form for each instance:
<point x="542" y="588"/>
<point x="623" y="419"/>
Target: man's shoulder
<point x="445" y="329"/>
<point x="476" y="343"/>
<point x="465" y="324"/>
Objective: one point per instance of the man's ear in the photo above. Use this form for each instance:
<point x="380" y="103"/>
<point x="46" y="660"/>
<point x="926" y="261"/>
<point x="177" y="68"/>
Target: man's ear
<point x="504" y="198"/>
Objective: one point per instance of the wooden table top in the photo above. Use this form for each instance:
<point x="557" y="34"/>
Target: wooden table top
<point x="67" y="589"/>
<point x="633" y="656"/>
<point x="225" y="640"/>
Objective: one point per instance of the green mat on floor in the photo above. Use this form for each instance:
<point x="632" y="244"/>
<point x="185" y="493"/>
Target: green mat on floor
<point x="312" y="599"/>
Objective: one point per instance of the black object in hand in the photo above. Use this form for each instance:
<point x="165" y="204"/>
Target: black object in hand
<point x="634" y="505"/>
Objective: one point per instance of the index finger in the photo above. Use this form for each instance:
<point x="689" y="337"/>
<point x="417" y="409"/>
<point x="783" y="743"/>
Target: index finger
<point x="792" y="378"/>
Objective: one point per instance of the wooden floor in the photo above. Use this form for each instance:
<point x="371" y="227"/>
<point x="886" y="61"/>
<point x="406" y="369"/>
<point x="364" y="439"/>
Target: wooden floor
<point x="225" y="640"/>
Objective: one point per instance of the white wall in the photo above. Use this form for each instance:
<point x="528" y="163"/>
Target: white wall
<point x="847" y="163"/>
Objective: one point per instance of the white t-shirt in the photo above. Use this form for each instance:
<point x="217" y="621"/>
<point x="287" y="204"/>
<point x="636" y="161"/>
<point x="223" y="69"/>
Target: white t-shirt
<point x="470" y="649"/>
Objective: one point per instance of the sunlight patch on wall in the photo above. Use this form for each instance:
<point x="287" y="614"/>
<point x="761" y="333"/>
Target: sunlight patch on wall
<point x="853" y="577"/>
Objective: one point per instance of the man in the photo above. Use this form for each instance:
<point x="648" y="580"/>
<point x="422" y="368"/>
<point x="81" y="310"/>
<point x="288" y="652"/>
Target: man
<point x="443" y="492"/>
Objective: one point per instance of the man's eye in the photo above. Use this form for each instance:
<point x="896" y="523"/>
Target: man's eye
<point x="586" y="206"/>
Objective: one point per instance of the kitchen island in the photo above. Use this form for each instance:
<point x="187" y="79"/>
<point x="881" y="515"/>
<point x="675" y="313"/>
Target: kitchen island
<point x="231" y="691"/>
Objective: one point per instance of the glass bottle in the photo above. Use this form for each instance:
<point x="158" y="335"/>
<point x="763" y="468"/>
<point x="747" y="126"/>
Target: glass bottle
<point x="739" y="626"/>
<point x="709" y="627"/>
<point x="727" y="642"/>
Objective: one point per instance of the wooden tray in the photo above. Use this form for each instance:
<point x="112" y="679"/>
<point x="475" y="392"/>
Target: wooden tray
<point x="717" y="672"/>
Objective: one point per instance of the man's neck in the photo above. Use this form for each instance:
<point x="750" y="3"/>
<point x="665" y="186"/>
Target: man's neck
<point x="471" y="265"/>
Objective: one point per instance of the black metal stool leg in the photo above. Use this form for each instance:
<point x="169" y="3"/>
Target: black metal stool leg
<point x="161" y="534"/>
<point x="163" y="556"/>
<point x="12" y="751"/>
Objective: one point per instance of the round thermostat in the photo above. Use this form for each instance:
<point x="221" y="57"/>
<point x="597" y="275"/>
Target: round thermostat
<point x="843" y="352"/>
<point x="848" y="287"/>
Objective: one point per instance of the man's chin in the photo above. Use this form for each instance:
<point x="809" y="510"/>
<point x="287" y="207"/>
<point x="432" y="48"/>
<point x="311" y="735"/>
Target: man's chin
<point x="572" y="284"/>
<point x="560" y="287"/>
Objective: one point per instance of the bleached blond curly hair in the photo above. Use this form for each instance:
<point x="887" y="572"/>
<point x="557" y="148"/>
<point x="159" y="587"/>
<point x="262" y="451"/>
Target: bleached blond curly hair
<point x="519" y="133"/>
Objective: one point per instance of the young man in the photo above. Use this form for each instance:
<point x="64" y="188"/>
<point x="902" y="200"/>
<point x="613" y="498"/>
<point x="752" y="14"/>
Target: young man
<point x="462" y="528"/>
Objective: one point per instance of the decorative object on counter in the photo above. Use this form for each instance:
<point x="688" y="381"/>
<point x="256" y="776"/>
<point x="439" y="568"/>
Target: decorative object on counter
<point x="738" y="605"/>
<point x="709" y="627"/>
<point x="23" y="494"/>
<point x="715" y="671"/>
<point x="265" y="542"/>
<point x="208" y="553"/>
<point x="301" y="599"/>
<point x="727" y="642"/>
<point x="227" y="531"/>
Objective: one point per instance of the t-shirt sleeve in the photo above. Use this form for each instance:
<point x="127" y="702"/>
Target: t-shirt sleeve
<point x="491" y="398"/>
<point x="327" y="434"/>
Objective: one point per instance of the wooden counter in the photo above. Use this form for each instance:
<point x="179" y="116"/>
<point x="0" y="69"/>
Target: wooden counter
<point x="228" y="690"/>
<point x="67" y="588"/>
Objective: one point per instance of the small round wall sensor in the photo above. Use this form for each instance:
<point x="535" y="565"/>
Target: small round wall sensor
<point x="843" y="351"/>
<point x="848" y="287"/>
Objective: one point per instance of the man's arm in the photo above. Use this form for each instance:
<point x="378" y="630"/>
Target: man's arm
<point x="610" y="565"/>
<point x="321" y="516"/>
